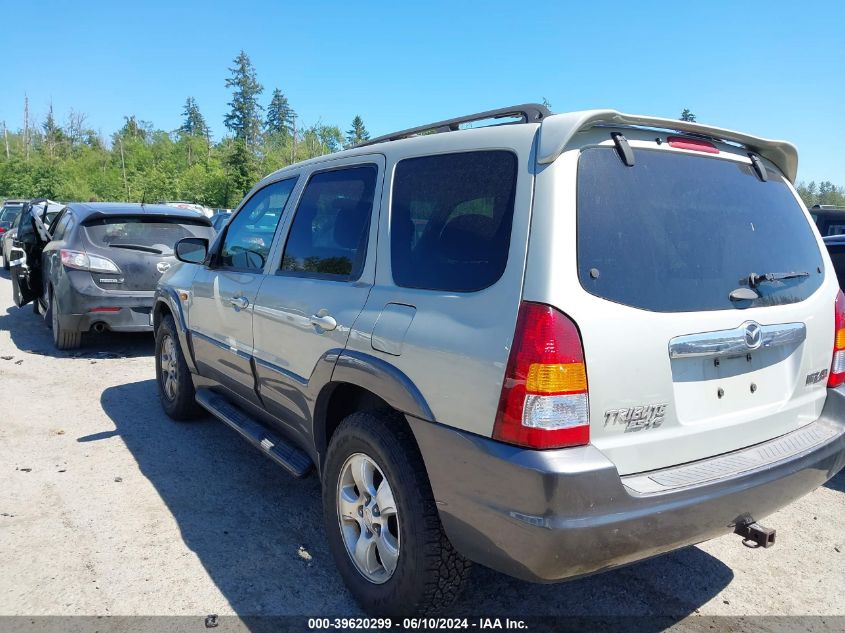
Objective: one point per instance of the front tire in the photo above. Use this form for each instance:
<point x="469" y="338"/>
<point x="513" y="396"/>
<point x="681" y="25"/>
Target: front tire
<point x="383" y="526"/>
<point x="63" y="339"/>
<point x="175" y="386"/>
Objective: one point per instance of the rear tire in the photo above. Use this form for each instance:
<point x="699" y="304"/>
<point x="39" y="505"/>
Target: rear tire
<point x="63" y="339"/>
<point x="419" y="572"/>
<point x="5" y="261"/>
<point x="175" y="386"/>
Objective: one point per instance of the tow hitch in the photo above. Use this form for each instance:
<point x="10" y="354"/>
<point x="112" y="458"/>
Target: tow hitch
<point x="755" y="535"/>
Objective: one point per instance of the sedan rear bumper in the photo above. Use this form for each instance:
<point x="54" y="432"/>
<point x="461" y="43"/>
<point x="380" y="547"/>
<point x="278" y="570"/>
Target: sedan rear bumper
<point x="84" y="306"/>
<point x="551" y="515"/>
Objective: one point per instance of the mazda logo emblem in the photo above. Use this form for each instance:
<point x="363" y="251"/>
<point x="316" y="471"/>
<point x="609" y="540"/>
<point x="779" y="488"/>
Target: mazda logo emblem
<point x="753" y="335"/>
<point x="163" y="267"/>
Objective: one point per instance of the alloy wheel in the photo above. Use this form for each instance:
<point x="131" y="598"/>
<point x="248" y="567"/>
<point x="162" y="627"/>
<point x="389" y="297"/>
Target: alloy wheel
<point x="368" y="517"/>
<point x="169" y="368"/>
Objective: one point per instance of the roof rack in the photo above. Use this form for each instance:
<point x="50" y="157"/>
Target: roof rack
<point x="528" y="112"/>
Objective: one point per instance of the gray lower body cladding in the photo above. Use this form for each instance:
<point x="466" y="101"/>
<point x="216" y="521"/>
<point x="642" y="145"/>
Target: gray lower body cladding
<point x="546" y="516"/>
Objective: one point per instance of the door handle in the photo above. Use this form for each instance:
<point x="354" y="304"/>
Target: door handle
<point x="239" y="303"/>
<point x="324" y="321"/>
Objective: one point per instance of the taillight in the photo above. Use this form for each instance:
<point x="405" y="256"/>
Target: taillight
<point x="2" y="230"/>
<point x="837" y="366"/>
<point x="83" y="261"/>
<point x="544" y="396"/>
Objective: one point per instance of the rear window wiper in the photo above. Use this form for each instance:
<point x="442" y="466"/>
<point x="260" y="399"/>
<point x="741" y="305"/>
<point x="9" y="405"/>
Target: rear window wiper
<point x="755" y="280"/>
<point x="138" y="247"/>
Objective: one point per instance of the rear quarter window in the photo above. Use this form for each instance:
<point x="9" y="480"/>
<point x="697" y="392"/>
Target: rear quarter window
<point x="678" y="232"/>
<point x="451" y="219"/>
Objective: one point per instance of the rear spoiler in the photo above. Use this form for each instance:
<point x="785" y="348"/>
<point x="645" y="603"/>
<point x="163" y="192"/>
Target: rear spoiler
<point x="194" y="218"/>
<point x="557" y="131"/>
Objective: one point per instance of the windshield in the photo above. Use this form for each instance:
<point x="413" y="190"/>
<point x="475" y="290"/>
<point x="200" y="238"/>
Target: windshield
<point x="154" y="235"/>
<point x="677" y="232"/>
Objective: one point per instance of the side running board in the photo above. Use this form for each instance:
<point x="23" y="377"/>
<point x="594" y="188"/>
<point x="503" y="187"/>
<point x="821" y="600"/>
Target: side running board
<point x="292" y="459"/>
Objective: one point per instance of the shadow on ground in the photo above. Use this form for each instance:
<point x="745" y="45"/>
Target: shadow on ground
<point x="837" y="482"/>
<point x="246" y="519"/>
<point x="30" y="333"/>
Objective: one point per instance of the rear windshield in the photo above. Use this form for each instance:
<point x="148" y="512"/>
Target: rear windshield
<point x="7" y="214"/>
<point x="678" y="233"/>
<point x="155" y="235"/>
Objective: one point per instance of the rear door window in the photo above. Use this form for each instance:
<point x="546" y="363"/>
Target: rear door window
<point x="451" y="219"/>
<point x="63" y="224"/>
<point x="328" y="237"/>
<point x="678" y="233"/>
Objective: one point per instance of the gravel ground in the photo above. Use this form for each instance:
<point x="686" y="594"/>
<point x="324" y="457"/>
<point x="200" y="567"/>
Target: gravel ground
<point x="107" y="507"/>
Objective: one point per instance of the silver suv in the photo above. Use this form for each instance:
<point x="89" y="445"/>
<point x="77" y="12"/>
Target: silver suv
<point x="551" y="347"/>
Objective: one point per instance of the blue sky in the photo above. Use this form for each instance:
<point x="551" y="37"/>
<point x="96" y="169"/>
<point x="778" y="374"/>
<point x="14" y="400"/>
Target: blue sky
<point x="775" y="69"/>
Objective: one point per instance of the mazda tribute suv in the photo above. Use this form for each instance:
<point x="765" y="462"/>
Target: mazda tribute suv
<point x="551" y="346"/>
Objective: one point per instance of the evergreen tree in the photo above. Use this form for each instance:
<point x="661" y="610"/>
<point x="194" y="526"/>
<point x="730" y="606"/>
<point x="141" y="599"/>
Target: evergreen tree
<point x="240" y="169"/>
<point x="53" y="134"/>
<point x="687" y="115"/>
<point x="244" y="118"/>
<point x="193" y="123"/>
<point x="358" y="133"/>
<point x="280" y="116"/>
<point x="134" y="129"/>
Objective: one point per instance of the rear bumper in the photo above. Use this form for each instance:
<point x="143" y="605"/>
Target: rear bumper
<point x="550" y="515"/>
<point x="80" y="297"/>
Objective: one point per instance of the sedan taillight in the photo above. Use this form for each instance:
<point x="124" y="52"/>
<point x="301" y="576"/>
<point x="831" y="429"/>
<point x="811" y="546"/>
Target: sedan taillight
<point x="84" y="261"/>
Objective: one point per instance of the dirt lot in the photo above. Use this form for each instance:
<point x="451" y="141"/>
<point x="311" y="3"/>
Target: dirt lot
<point x="108" y="507"/>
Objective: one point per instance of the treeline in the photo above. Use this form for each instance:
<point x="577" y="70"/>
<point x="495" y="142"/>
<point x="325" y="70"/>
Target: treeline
<point x="68" y="160"/>
<point x="822" y="193"/>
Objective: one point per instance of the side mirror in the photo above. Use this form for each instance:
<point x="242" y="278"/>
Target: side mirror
<point x="192" y="250"/>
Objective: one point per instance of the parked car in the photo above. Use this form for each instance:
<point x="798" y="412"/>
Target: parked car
<point x="191" y="206"/>
<point x="6" y="239"/>
<point x="552" y="347"/>
<point x="99" y="266"/>
<point x="829" y="219"/>
<point x="9" y="212"/>
<point x="45" y="210"/>
<point x="836" y="249"/>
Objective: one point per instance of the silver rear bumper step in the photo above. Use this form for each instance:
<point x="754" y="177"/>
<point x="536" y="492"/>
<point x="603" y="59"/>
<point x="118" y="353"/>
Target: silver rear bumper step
<point x="732" y="464"/>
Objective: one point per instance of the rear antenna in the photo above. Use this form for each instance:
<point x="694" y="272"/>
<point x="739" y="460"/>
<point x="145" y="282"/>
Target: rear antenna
<point x="143" y="198"/>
